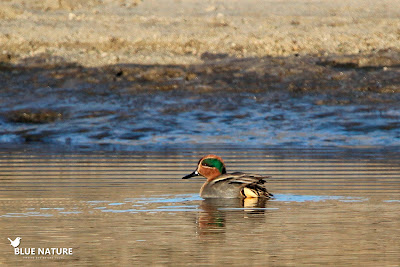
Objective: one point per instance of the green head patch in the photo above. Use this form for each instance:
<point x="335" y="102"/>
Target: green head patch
<point x="214" y="163"/>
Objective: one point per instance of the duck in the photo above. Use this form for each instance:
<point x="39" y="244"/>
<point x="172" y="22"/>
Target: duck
<point x="221" y="184"/>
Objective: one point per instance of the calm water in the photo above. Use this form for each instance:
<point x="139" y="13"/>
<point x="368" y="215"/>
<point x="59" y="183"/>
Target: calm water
<point x="333" y="206"/>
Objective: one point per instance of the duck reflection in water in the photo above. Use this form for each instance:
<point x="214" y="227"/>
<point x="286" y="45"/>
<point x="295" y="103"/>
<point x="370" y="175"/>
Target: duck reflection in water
<point x="217" y="212"/>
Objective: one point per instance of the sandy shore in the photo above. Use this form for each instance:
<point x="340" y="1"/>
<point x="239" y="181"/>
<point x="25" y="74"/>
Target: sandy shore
<point x="96" y="33"/>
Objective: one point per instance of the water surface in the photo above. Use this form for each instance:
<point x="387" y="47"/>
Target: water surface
<point x="331" y="206"/>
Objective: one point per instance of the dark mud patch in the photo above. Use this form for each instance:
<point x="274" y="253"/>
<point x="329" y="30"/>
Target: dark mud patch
<point x="296" y="100"/>
<point x="33" y="116"/>
<point x="382" y="59"/>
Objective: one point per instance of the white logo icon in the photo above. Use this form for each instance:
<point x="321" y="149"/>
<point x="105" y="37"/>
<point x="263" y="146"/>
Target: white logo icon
<point x="16" y="242"/>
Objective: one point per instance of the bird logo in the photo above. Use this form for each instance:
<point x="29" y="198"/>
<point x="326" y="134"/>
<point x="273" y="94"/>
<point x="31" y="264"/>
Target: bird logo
<point x="16" y="242"/>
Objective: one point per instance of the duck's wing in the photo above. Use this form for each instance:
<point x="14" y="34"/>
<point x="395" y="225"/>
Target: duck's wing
<point x="251" y="185"/>
<point x="247" y="178"/>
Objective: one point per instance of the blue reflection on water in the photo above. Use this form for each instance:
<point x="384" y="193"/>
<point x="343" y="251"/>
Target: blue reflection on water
<point x="314" y="198"/>
<point x="179" y="203"/>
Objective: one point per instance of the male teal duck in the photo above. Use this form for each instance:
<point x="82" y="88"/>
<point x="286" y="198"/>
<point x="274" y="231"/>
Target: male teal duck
<point x="220" y="184"/>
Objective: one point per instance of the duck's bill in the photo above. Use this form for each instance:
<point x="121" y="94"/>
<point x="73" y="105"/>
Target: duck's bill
<point x="193" y="174"/>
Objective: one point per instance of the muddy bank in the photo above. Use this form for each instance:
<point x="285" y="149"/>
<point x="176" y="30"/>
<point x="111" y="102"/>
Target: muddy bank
<point x="349" y="79"/>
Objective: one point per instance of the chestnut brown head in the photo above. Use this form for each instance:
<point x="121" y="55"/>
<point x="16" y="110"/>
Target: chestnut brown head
<point x="210" y="166"/>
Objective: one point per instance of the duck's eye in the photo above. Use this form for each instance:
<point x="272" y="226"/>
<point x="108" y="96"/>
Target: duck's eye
<point x="206" y="164"/>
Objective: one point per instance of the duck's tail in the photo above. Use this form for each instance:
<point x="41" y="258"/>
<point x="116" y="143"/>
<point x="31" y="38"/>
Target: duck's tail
<point x="255" y="191"/>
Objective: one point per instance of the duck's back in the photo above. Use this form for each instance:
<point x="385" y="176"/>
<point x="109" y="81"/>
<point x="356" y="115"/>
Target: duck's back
<point x="236" y="185"/>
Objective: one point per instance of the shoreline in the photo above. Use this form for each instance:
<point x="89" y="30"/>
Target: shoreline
<point x="180" y="32"/>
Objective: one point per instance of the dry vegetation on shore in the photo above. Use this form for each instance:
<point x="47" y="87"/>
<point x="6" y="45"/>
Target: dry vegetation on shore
<point x="95" y="33"/>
